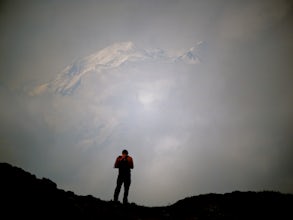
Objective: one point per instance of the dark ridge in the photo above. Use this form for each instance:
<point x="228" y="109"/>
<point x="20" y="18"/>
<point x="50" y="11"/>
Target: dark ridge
<point x="23" y="196"/>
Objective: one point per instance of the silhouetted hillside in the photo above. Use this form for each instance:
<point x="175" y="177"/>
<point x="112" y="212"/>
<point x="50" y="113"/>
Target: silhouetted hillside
<point x="24" y="196"/>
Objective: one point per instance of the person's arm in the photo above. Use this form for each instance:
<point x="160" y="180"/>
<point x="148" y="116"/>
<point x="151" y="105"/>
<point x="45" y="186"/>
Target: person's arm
<point x="130" y="161"/>
<point x="118" y="159"/>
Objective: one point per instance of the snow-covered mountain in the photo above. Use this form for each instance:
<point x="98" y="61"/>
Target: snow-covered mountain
<point x="112" y="57"/>
<point x="194" y="54"/>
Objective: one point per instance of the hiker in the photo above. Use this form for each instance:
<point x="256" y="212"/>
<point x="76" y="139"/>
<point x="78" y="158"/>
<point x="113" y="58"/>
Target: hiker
<point x="124" y="163"/>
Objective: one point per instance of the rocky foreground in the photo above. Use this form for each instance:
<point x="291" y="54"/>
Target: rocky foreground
<point x="23" y="196"/>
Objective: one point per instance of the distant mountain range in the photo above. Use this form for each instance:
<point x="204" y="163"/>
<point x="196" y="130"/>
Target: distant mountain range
<point x="23" y="196"/>
<point x="111" y="57"/>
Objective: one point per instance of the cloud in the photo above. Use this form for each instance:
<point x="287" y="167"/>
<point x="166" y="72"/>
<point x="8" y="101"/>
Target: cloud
<point x="220" y="126"/>
<point x="151" y="92"/>
<point x="246" y="20"/>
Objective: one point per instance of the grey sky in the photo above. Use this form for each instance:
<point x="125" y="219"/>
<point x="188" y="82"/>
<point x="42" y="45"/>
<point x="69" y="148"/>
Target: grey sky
<point x="223" y="125"/>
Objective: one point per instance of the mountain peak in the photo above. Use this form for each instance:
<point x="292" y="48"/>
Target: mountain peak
<point x="123" y="46"/>
<point x="113" y="50"/>
<point x="112" y="57"/>
<point x="194" y="54"/>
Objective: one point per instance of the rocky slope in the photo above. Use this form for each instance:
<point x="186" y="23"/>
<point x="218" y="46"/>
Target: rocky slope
<point x="27" y="197"/>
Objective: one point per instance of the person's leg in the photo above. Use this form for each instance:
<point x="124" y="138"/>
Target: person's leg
<point x="118" y="188"/>
<point x="127" y="182"/>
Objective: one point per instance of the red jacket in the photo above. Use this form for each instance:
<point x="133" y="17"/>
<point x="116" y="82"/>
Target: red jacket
<point x="129" y="161"/>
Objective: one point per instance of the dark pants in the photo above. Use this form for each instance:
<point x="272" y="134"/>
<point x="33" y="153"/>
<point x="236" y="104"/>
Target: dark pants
<point x="120" y="180"/>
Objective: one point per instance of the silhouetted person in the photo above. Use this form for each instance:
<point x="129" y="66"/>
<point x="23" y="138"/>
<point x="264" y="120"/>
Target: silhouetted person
<point x="124" y="163"/>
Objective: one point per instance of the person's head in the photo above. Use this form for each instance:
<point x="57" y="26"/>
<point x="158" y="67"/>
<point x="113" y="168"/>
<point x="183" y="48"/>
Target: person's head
<point x="125" y="152"/>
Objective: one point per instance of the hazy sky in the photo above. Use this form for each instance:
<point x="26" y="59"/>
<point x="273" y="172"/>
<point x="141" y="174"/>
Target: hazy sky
<point x="226" y="126"/>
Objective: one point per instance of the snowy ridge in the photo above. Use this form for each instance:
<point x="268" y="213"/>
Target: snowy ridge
<point x="108" y="58"/>
<point x="194" y="54"/>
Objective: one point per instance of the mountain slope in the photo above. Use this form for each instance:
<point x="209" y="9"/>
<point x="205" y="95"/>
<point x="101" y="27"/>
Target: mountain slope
<point x="111" y="57"/>
<point x="25" y="196"/>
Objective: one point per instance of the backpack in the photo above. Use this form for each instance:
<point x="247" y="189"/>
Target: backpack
<point x="124" y="165"/>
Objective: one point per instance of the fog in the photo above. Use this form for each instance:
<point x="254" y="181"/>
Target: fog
<point x="221" y="125"/>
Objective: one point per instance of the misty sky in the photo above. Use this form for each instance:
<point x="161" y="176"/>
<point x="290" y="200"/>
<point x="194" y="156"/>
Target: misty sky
<point x="224" y="125"/>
